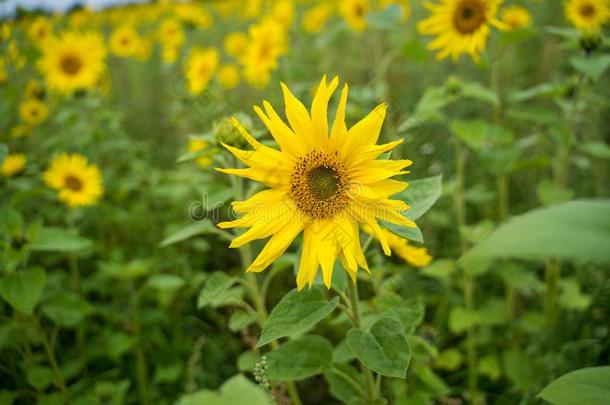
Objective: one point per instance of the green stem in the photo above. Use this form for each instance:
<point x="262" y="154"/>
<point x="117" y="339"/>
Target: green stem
<point x="141" y="367"/>
<point x="355" y="309"/>
<point x="48" y="349"/>
<point x="552" y="277"/>
<point x="75" y="283"/>
<point x="349" y="380"/>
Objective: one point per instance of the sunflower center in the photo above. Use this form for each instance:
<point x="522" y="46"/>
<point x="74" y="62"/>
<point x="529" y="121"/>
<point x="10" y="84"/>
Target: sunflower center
<point x="319" y="185"/>
<point x="71" y="64"/>
<point x="587" y="10"/>
<point x="469" y="15"/>
<point x="73" y="183"/>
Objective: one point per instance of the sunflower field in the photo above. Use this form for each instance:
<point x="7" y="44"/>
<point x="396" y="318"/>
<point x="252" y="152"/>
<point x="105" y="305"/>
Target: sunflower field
<point x="306" y="202"/>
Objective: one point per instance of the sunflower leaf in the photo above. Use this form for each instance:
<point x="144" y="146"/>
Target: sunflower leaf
<point x="585" y="386"/>
<point x="301" y="358"/>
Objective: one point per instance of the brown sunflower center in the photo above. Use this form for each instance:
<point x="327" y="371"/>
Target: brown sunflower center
<point x="587" y="10"/>
<point x="73" y="183"/>
<point x="319" y="185"/>
<point x="469" y="15"/>
<point x="71" y="64"/>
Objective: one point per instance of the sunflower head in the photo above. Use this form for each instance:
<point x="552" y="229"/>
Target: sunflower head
<point x="72" y="62"/>
<point x="325" y="183"/>
<point x="200" y="68"/>
<point x="354" y="13"/>
<point x="33" y="111"/>
<point x="124" y="41"/>
<point x="228" y="76"/>
<point x="78" y="183"/>
<point x="460" y="26"/>
<point x="13" y="164"/>
<point x="40" y="31"/>
<point x="315" y="18"/>
<point x="515" y="17"/>
<point x="587" y="15"/>
<point x="235" y="43"/>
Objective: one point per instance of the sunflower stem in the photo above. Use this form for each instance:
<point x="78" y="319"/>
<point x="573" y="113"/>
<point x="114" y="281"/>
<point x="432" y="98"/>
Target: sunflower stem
<point x="49" y="352"/>
<point x="355" y="310"/>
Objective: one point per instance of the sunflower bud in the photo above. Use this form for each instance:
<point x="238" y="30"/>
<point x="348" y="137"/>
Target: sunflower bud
<point x="590" y="42"/>
<point x="453" y="86"/>
<point x="225" y="132"/>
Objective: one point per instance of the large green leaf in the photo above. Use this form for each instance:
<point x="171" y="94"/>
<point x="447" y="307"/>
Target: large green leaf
<point x="296" y="313"/>
<point x="592" y="65"/>
<point x="590" y="386"/>
<point x="23" y="290"/>
<point x="421" y="195"/>
<point x="53" y="239"/>
<point x="198" y="228"/>
<point x="237" y="390"/>
<point x="577" y="230"/>
<point x="383" y="348"/>
<point x="301" y="358"/>
<point x="66" y="309"/>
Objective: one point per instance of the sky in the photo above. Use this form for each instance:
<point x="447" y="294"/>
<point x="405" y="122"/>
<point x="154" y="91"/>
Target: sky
<point x="8" y="6"/>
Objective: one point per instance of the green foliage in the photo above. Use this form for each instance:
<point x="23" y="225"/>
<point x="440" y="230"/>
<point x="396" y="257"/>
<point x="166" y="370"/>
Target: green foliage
<point x="585" y="386"/>
<point x="300" y="358"/>
<point x="235" y="391"/>
<point x="23" y="290"/>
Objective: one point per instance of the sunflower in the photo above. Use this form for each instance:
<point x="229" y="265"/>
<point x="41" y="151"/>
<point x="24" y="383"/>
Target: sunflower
<point x="40" y="31"/>
<point x="33" y="89"/>
<point x="72" y="62"/>
<point x="78" y="182"/>
<point x="315" y="18"/>
<point x="515" y="17"/>
<point x="460" y="26"/>
<point x="587" y="15"/>
<point x="228" y="76"/>
<point x="235" y="43"/>
<point x="33" y="111"/>
<point x="267" y="41"/>
<point x="13" y="164"/>
<point x="324" y="184"/>
<point x="283" y="12"/>
<point x="3" y="70"/>
<point x="124" y="41"/>
<point x="200" y="67"/>
<point x="415" y="256"/>
<point x="354" y="12"/>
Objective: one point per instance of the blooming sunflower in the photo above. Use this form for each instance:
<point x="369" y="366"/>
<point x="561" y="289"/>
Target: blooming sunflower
<point x="40" y="30"/>
<point x="460" y="26"/>
<point x="267" y="41"/>
<point x="78" y="182"/>
<point x="200" y="67"/>
<point x="235" y="43"/>
<point x="354" y="12"/>
<point x="73" y="61"/>
<point x="228" y="76"/>
<point x="33" y="111"/>
<point x="315" y="18"/>
<point x="124" y="41"/>
<point x="324" y="184"/>
<point x="587" y="15"/>
<point x="13" y="164"/>
<point x="515" y="17"/>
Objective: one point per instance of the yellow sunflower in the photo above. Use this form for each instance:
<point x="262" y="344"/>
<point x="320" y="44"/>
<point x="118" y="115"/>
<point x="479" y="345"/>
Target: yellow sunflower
<point x="315" y="18"/>
<point x="460" y="26"/>
<point x="323" y="182"/>
<point x="124" y="41"/>
<point x="79" y="183"/>
<point x="13" y="164"/>
<point x="3" y="70"/>
<point x="235" y="43"/>
<point x="283" y="12"/>
<point x="33" y="89"/>
<point x="354" y="13"/>
<point x="415" y="256"/>
<point x="33" y="111"/>
<point x="40" y="30"/>
<point x="73" y="61"/>
<point x="228" y="76"/>
<point x="587" y="15"/>
<point x="267" y="41"/>
<point x="515" y="17"/>
<point x="21" y="131"/>
<point x="200" y="68"/>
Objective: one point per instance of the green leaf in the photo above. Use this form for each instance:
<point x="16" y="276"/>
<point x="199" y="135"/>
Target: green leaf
<point x="296" y="313"/>
<point x="479" y="92"/>
<point x="301" y="358"/>
<point x="40" y="377"/>
<point x="597" y="149"/>
<point x="240" y="320"/>
<point x="449" y="359"/>
<point x="589" y="386"/>
<point x="472" y="133"/>
<point x="218" y="291"/>
<point x="384" y="348"/>
<point x="198" y="228"/>
<point x="572" y="297"/>
<point x="344" y="381"/>
<point x="592" y="65"/>
<point x="237" y="390"/>
<point x="23" y="290"/>
<point x="489" y="366"/>
<point x="461" y="319"/>
<point x="66" y="309"/>
<point x="165" y="282"/>
<point x="408" y="232"/>
<point x="520" y="369"/>
<point x="549" y="193"/>
<point x="52" y="239"/>
<point x="410" y="313"/>
<point x="577" y="230"/>
<point x="421" y="195"/>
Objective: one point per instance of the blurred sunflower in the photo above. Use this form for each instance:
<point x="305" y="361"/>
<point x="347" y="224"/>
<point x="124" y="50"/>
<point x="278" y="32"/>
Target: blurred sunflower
<point x="72" y="62"/>
<point x="315" y="18"/>
<point x="283" y="12"/>
<point x="3" y="70"/>
<point x="193" y="14"/>
<point x="124" y="41"/>
<point x="354" y="13"/>
<point x="267" y="41"/>
<point x="515" y="17"/>
<point x="228" y="76"/>
<point x="33" y="111"/>
<point x="200" y="68"/>
<point x="460" y="26"/>
<point x="33" y="89"/>
<point x="21" y="131"/>
<point x="40" y="30"/>
<point x="171" y="36"/>
<point x="324" y="183"/>
<point x="5" y="32"/>
<point x="415" y="256"/>
<point x="78" y="182"/>
<point x="587" y="15"/>
<point x="235" y="43"/>
<point x="199" y="145"/>
<point x="13" y="163"/>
